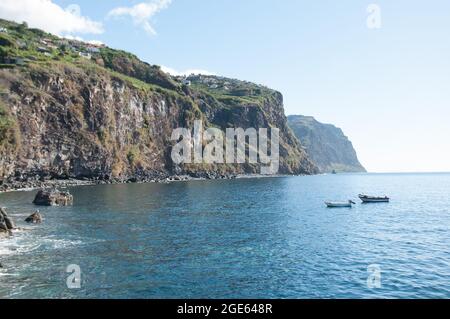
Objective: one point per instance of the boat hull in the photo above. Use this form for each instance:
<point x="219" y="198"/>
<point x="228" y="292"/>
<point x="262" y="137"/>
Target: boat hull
<point x="368" y="199"/>
<point x="375" y="200"/>
<point x="338" y="205"/>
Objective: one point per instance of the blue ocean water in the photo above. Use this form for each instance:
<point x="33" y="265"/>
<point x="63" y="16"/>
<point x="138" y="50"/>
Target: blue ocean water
<point x="245" y="238"/>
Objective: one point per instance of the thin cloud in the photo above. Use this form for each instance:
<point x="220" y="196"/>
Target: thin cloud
<point x="78" y="38"/>
<point x="142" y="13"/>
<point x="72" y="37"/>
<point x="95" y="42"/>
<point x="186" y="72"/>
<point x="46" y="15"/>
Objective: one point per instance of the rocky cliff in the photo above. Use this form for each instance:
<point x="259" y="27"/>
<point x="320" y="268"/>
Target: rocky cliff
<point x="71" y="110"/>
<point x="326" y="145"/>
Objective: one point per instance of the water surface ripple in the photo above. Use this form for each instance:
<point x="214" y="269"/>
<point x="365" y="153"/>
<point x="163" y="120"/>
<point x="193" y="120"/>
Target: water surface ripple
<point x="246" y="238"/>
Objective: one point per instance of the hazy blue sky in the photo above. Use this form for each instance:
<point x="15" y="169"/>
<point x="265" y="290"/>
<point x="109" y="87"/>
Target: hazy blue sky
<point x="388" y="88"/>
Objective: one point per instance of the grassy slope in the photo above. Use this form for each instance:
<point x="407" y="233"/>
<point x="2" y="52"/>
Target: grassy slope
<point x="121" y="64"/>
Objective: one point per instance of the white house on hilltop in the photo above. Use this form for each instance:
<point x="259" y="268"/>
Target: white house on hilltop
<point x="85" y="55"/>
<point x="93" y="49"/>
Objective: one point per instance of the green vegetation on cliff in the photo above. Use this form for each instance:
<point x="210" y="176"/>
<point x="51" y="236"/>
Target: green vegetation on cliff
<point x="7" y="128"/>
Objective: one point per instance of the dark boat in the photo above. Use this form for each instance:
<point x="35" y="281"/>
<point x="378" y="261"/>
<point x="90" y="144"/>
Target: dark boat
<point x="374" y="199"/>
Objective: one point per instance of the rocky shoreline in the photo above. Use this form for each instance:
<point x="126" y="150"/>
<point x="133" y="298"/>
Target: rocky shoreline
<point x="14" y="185"/>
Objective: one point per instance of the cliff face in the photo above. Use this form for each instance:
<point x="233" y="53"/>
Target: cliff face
<point x="326" y="145"/>
<point x="111" y="116"/>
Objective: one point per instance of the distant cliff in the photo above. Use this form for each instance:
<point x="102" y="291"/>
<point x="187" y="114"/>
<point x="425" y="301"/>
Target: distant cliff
<point x="69" y="109"/>
<point x="326" y="145"/>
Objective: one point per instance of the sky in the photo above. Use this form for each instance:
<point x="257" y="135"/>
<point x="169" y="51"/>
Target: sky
<point x="382" y="76"/>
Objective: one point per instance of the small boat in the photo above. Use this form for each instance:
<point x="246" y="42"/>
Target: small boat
<point x="340" y="204"/>
<point x="374" y="199"/>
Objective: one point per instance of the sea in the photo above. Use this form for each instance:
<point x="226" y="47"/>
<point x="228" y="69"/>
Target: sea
<point x="243" y="238"/>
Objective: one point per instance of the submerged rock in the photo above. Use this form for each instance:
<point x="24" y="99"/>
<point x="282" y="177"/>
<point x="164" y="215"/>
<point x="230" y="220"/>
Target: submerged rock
<point x="4" y="233"/>
<point x="53" y="198"/>
<point x="35" y="218"/>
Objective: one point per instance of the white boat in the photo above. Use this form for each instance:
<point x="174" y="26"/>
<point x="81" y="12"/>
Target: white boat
<point x="374" y="199"/>
<point x="340" y="204"/>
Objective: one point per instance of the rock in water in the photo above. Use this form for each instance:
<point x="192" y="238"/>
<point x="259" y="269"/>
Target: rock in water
<point x="3" y="226"/>
<point x="35" y="218"/>
<point x="9" y="223"/>
<point x="6" y="220"/>
<point x="4" y="232"/>
<point x="53" y="198"/>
